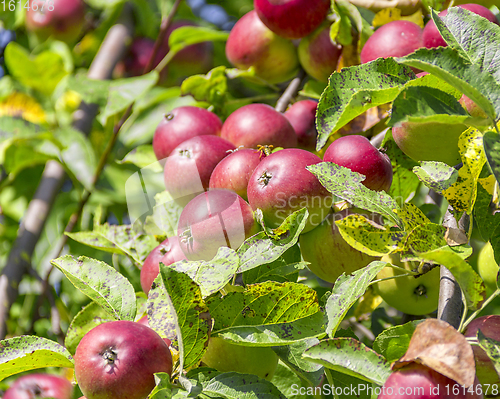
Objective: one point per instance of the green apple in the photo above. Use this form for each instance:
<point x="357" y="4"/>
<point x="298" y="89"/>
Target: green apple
<point x="410" y="295"/>
<point x="429" y="141"/>
<point x="225" y="356"/>
<point x="487" y="267"/>
<point x="328" y="253"/>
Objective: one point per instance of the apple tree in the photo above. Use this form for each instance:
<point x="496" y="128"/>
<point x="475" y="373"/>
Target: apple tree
<point x="280" y="199"/>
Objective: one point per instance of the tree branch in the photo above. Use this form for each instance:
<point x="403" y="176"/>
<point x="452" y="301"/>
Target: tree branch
<point x="19" y="261"/>
<point x="450" y="295"/>
<point x="290" y="92"/>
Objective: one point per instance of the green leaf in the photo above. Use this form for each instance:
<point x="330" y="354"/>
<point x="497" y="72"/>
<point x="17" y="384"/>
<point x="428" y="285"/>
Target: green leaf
<point x="491" y="143"/>
<point x="240" y="386"/>
<point x="101" y="283"/>
<point x="42" y="73"/>
<point x="475" y="38"/>
<point x="211" y="276"/>
<point x="469" y="281"/>
<point x="104" y="4"/>
<point x="346" y="291"/>
<point x="123" y="240"/>
<point x="25" y="353"/>
<point x="340" y="31"/>
<point x="492" y="349"/>
<point x="285" y="333"/>
<point x="124" y="92"/>
<point x="92" y="91"/>
<point x="462" y="195"/>
<point x="263" y="248"/>
<point x="163" y="388"/>
<point x="291" y="355"/>
<point x="486" y="222"/>
<point x="393" y="342"/>
<point x="188" y="35"/>
<point x="404" y="182"/>
<point x="355" y="89"/>
<point x="438" y="176"/>
<point x="78" y="155"/>
<point x="361" y="234"/>
<point x="143" y="156"/>
<point x="470" y="79"/>
<point x="346" y="386"/>
<point x="351" y="357"/>
<point x="179" y="299"/>
<point x="211" y="88"/>
<point x="423" y="104"/>
<point x="290" y="384"/>
<point x="346" y="184"/>
<point x="285" y="268"/>
<point x="165" y="215"/>
<point x="85" y="320"/>
<point x="268" y="313"/>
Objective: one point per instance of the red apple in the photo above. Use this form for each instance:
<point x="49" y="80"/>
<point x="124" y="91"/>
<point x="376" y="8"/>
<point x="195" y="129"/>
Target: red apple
<point x="292" y="19"/>
<point x="417" y="381"/>
<point x="358" y="154"/>
<point x="394" y="39"/>
<point x="302" y="117"/>
<point x="253" y="44"/>
<point x="189" y="166"/>
<point x="281" y="185"/>
<point x="167" y="252"/>
<point x="40" y="385"/>
<point x="328" y="254"/>
<point x="318" y="55"/>
<point x="432" y="38"/>
<point x="138" y="54"/>
<point x="60" y="19"/>
<point x="181" y="124"/>
<point x="490" y="327"/>
<point x="214" y="219"/>
<point x="234" y="171"/>
<point x="118" y="359"/>
<point x="258" y="124"/>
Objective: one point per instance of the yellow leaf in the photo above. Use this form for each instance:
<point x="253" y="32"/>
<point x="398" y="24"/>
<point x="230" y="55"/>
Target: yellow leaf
<point x="394" y="14"/>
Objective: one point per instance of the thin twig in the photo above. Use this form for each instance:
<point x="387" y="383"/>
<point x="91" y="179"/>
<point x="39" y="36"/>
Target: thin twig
<point x="290" y="92"/>
<point x="450" y="295"/>
<point x="19" y="261"/>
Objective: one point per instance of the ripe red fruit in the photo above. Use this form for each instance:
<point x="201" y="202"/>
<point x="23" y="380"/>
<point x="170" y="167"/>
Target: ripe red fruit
<point x="61" y="19"/>
<point x="416" y="381"/>
<point x="281" y="185"/>
<point x="490" y="327"/>
<point x="214" y="219"/>
<point x="138" y="55"/>
<point x="432" y="38"/>
<point x="358" y="154"/>
<point x="258" y="124"/>
<point x="292" y="19"/>
<point x="318" y="55"/>
<point x="394" y="39"/>
<point x="234" y="171"/>
<point x="181" y="124"/>
<point x="302" y="117"/>
<point x="40" y="385"/>
<point x="189" y="166"/>
<point x="253" y="44"/>
<point x="118" y="359"/>
<point x="167" y="252"/>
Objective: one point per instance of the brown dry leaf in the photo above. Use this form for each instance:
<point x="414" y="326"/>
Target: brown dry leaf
<point x="439" y="346"/>
<point x="455" y="237"/>
<point x="364" y="122"/>
<point x="349" y="56"/>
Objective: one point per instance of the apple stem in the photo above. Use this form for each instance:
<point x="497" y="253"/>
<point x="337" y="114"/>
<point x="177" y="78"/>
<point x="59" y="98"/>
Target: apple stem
<point x="407" y="274"/>
<point x="464" y="325"/>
